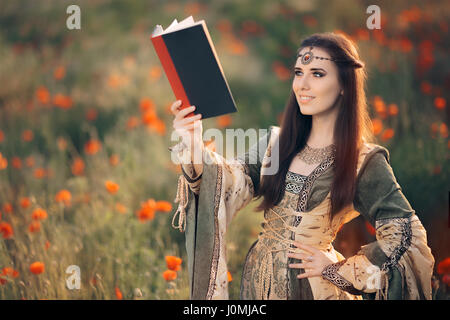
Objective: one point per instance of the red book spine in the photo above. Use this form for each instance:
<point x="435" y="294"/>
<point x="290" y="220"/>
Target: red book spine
<point x="171" y="72"/>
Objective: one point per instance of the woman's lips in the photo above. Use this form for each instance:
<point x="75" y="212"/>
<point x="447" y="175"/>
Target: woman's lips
<point x="306" y="99"/>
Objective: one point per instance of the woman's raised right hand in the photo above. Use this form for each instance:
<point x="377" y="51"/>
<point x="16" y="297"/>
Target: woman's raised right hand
<point x="188" y="127"/>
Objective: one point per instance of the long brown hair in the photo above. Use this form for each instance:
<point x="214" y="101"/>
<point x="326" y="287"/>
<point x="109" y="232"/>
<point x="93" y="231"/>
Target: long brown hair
<point x="352" y="125"/>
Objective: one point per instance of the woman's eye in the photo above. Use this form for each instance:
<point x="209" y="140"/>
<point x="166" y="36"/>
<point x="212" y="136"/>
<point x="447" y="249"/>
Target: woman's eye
<point x="316" y="74"/>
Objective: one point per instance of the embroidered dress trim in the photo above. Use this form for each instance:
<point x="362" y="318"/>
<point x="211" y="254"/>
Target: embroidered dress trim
<point x="294" y="182"/>
<point x="301" y="206"/>
<point x="216" y="249"/>
<point x="330" y="273"/>
<point x="405" y="242"/>
<point x="189" y="179"/>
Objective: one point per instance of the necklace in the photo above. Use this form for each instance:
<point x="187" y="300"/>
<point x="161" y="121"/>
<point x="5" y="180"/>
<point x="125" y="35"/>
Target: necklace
<point x="311" y="155"/>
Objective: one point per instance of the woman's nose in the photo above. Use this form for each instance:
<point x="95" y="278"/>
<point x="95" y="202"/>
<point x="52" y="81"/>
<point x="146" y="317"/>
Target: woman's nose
<point x="301" y="83"/>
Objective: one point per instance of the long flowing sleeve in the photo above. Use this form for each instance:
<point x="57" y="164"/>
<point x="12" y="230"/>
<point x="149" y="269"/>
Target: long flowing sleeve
<point x="399" y="264"/>
<point x="207" y="204"/>
<point x="183" y="155"/>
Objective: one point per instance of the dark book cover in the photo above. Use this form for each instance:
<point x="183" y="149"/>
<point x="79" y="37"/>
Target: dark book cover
<point x="194" y="72"/>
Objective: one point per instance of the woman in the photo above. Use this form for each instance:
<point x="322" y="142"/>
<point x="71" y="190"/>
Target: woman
<point x="328" y="174"/>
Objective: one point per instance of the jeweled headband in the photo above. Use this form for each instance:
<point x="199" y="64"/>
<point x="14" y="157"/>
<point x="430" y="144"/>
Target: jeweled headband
<point x="308" y="56"/>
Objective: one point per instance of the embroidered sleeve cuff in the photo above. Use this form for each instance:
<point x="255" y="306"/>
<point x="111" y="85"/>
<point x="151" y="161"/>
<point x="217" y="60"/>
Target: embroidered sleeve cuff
<point x="189" y="177"/>
<point x="330" y="273"/>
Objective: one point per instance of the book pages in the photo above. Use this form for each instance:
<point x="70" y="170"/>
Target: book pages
<point x="175" y="26"/>
<point x="189" y="21"/>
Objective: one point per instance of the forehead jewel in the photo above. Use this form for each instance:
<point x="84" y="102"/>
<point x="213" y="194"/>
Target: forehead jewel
<point x="308" y="56"/>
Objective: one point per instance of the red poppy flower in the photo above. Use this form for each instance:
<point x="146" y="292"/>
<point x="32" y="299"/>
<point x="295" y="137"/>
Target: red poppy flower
<point x="164" y="206"/>
<point x="146" y="104"/>
<point x="39" y="214"/>
<point x="6" y="230"/>
<point x="147" y="210"/>
<point x="35" y="226"/>
<point x="25" y="202"/>
<point x="119" y="295"/>
<point x="169" y="275"/>
<point x="444" y="266"/>
<point x="173" y="263"/>
<point x="43" y="95"/>
<point x="16" y="163"/>
<point x="440" y="103"/>
<point x="111" y="187"/>
<point x="92" y="146"/>
<point x="77" y="167"/>
<point x="63" y="196"/>
<point x="37" y="267"/>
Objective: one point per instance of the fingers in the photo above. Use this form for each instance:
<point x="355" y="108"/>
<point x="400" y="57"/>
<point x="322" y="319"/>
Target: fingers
<point x="174" y="107"/>
<point x="307" y="274"/>
<point x="193" y="129"/>
<point x="187" y="120"/>
<point x="295" y="255"/>
<point x="183" y="113"/>
<point x="305" y="247"/>
<point x="191" y="126"/>
<point x="299" y="265"/>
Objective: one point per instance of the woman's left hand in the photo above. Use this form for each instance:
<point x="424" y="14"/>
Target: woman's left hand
<point x="313" y="261"/>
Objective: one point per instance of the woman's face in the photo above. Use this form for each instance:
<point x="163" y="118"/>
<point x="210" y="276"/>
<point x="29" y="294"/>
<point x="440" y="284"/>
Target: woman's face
<point x="319" y="80"/>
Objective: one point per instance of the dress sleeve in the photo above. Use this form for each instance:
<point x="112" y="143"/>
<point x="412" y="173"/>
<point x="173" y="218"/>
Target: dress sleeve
<point x="240" y="180"/>
<point x="399" y="264"/>
<point x="183" y="155"/>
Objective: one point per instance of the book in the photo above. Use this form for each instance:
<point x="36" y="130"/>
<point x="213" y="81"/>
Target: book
<point x="191" y="65"/>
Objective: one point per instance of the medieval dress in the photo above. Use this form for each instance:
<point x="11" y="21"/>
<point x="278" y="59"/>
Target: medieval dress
<point x="398" y="265"/>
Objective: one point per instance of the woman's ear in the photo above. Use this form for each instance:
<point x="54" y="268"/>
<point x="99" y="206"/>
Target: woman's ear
<point x="342" y="92"/>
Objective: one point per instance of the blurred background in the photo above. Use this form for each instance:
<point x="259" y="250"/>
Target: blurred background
<point x="85" y="174"/>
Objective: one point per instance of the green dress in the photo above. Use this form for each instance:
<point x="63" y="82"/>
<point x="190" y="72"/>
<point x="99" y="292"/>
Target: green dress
<point x="207" y="204"/>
